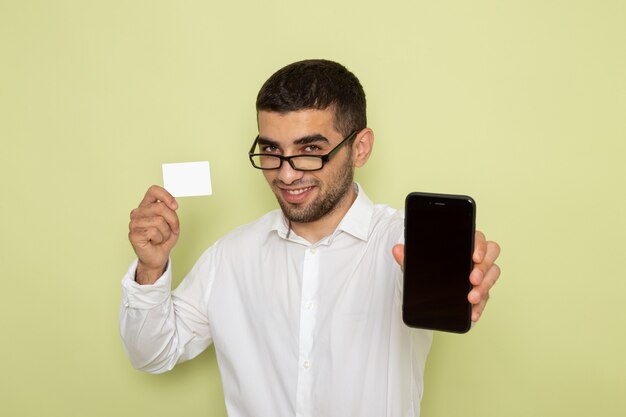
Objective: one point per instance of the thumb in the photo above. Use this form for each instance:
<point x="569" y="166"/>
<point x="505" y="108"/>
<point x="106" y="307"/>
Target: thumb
<point x="398" y="254"/>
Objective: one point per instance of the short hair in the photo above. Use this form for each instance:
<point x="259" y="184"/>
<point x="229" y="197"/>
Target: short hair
<point x="316" y="84"/>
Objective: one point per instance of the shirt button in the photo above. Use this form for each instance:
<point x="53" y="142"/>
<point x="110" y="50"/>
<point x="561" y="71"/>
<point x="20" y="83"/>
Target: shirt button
<point x="306" y="364"/>
<point x="313" y="250"/>
<point x="308" y="305"/>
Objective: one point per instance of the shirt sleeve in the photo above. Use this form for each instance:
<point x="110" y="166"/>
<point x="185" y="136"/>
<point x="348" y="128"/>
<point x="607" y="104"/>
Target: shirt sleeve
<point x="160" y="328"/>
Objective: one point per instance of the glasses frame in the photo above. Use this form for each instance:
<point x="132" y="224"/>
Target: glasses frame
<point x="324" y="158"/>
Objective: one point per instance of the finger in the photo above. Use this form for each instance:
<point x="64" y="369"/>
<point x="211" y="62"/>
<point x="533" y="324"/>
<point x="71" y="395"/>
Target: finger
<point x="479" y="296"/>
<point x="493" y="251"/>
<point x="157" y="222"/>
<point x="477" y="311"/>
<point x="398" y="254"/>
<point x="480" y="247"/>
<point x="481" y="268"/>
<point x="478" y="308"/>
<point x="158" y="209"/>
<point x="168" y="215"/>
<point x="492" y="276"/>
<point x="156" y="193"/>
<point x="484" y="277"/>
<point x="481" y="292"/>
<point x="143" y="236"/>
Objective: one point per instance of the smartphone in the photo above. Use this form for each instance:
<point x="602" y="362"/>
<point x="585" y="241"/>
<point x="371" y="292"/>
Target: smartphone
<point x="438" y="248"/>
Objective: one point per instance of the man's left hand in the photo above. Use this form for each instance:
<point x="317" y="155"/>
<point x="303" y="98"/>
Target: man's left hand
<point x="483" y="276"/>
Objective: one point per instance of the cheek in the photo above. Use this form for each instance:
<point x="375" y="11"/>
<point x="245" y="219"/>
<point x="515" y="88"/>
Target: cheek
<point x="269" y="176"/>
<point x="330" y="175"/>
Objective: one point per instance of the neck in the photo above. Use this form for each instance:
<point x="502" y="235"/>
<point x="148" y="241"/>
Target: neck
<point x="315" y="231"/>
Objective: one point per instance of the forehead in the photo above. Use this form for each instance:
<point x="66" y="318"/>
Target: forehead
<point x="286" y="127"/>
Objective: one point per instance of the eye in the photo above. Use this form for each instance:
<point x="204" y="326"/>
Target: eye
<point x="269" y="149"/>
<point x="312" y="148"/>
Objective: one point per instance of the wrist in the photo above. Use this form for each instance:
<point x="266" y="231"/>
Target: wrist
<point x="147" y="275"/>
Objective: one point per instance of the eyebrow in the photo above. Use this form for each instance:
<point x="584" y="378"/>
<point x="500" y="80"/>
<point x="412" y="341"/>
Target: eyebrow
<point x="311" y="139"/>
<point x="305" y="140"/>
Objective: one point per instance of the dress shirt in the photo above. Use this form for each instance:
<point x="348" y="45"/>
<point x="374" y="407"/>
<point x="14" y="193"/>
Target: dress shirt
<point x="300" y="329"/>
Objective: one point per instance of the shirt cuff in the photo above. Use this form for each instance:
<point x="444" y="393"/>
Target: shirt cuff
<point x="145" y="297"/>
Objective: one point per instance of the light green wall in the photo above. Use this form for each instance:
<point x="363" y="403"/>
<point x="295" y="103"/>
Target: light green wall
<point x="521" y="104"/>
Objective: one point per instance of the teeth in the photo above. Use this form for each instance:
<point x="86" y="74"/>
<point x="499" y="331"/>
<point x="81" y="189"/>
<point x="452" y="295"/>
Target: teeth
<point x="300" y="191"/>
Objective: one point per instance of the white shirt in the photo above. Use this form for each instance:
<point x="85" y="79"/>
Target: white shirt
<point x="299" y="329"/>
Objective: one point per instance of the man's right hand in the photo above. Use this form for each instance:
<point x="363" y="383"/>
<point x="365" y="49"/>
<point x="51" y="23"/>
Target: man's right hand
<point x="153" y="232"/>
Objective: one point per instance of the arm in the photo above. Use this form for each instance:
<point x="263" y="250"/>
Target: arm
<point x="160" y="328"/>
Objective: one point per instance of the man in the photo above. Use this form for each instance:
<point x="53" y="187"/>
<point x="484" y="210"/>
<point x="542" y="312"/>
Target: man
<point x="303" y="305"/>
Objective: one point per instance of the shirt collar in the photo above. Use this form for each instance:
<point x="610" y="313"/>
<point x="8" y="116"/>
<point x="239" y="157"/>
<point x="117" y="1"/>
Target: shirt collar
<point x="356" y="221"/>
<point x="359" y="217"/>
<point x="279" y="223"/>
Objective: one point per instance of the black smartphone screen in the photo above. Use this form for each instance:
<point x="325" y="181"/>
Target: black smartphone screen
<point x="439" y="243"/>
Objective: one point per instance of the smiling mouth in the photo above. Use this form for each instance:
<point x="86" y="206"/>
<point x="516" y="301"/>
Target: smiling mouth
<point x="298" y="191"/>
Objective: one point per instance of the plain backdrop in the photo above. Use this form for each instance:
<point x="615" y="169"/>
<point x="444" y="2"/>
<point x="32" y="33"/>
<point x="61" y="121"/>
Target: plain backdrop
<point x="520" y="104"/>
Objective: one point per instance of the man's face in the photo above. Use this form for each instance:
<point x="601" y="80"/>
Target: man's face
<point x="306" y="196"/>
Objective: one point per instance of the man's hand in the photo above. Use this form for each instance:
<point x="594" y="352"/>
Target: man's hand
<point x="153" y="232"/>
<point x="483" y="276"/>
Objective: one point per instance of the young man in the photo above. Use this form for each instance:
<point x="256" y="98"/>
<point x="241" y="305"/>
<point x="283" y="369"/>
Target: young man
<point x="303" y="305"/>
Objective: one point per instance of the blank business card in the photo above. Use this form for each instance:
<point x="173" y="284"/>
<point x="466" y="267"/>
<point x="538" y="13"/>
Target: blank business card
<point x="187" y="179"/>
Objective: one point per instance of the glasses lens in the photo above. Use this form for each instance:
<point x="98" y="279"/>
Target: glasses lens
<point x="266" y="161"/>
<point x="307" y="163"/>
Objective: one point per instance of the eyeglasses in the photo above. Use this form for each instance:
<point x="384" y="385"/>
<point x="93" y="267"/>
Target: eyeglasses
<point x="298" y="162"/>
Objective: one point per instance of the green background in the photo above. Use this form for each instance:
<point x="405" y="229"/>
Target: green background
<point x="521" y="104"/>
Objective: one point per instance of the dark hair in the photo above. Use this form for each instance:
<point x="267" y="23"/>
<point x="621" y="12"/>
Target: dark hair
<point x="316" y="84"/>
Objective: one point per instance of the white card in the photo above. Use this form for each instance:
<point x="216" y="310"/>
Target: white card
<point x="187" y="179"/>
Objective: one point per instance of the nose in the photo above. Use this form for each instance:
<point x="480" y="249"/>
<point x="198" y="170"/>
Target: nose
<point x="287" y="174"/>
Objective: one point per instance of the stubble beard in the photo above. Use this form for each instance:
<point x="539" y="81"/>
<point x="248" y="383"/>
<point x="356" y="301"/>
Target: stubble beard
<point x="326" y="201"/>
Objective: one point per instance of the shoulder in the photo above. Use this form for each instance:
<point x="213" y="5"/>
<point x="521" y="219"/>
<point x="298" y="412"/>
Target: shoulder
<point x="383" y="221"/>
<point x="253" y="233"/>
<point x="387" y="221"/>
<point x="263" y="225"/>
<point x="243" y="239"/>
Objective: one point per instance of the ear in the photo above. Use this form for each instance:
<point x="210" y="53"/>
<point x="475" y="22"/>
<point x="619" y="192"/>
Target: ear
<point x="362" y="147"/>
